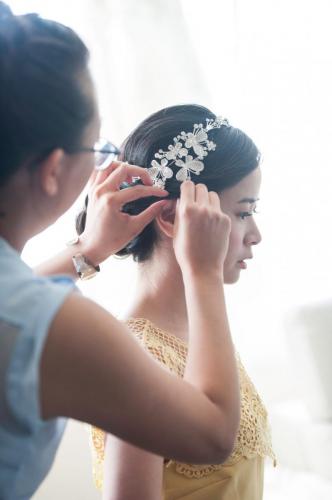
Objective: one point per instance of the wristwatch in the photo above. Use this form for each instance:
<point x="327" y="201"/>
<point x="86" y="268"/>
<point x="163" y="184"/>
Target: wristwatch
<point x="84" y="268"/>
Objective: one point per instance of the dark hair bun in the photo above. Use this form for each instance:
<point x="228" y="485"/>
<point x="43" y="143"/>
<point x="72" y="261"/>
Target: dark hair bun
<point x="5" y="12"/>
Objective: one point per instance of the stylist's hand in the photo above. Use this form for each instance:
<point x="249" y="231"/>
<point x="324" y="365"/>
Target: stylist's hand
<point x="201" y="230"/>
<point x="107" y="228"/>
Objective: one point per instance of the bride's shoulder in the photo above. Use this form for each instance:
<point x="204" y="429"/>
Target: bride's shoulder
<point x="163" y="346"/>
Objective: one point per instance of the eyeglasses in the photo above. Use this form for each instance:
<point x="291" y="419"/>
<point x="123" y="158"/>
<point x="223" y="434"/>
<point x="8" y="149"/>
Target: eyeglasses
<point x="105" y="152"/>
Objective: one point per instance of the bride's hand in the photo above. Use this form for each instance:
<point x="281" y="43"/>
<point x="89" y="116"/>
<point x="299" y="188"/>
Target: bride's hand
<point x="201" y="230"/>
<point x="107" y="228"/>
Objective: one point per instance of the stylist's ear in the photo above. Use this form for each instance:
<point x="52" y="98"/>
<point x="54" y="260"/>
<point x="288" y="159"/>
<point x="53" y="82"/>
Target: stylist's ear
<point x="50" y="172"/>
<point x="165" y="219"/>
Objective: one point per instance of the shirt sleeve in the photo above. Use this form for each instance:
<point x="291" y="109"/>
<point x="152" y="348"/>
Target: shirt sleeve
<point x="37" y="304"/>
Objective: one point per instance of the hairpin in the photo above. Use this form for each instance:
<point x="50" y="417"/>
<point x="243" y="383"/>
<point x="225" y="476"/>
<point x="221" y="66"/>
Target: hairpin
<point x="178" y="153"/>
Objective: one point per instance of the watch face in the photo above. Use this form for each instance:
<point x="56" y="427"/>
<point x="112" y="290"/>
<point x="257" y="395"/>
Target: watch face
<point x="88" y="274"/>
<point x="84" y="269"/>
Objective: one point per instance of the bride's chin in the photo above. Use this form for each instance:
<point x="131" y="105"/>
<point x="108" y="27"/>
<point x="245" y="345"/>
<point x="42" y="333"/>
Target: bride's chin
<point x="231" y="277"/>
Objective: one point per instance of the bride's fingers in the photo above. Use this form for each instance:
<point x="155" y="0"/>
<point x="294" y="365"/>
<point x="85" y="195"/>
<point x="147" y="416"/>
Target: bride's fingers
<point x="187" y="192"/>
<point x="214" y="200"/>
<point x="201" y="194"/>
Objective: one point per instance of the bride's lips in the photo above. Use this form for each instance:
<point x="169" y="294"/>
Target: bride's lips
<point x="242" y="264"/>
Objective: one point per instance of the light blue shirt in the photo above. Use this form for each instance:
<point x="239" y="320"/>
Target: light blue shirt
<point x="27" y="306"/>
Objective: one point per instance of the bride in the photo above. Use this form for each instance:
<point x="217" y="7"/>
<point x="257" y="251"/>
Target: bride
<point x="175" y="144"/>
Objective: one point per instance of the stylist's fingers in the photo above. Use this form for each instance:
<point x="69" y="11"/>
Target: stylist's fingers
<point x="93" y="176"/>
<point x="122" y="174"/>
<point x="214" y="200"/>
<point x="134" y="193"/>
<point x="147" y="216"/>
<point x="99" y="176"/>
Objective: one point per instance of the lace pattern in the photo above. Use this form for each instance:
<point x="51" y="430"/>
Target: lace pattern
<point x="253" y="437"/>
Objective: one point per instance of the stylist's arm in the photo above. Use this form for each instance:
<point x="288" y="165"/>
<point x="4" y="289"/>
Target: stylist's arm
<point x="107" y="227"/>
<point x="92" y="370"/>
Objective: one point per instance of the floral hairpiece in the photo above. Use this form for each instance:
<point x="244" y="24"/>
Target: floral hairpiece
<point x="178" y="154"/>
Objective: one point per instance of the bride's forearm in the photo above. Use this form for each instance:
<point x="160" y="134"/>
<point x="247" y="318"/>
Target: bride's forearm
<point x="215" y="372"/>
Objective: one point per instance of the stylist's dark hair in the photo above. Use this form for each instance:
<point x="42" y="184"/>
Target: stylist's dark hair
<point x="44" y="103"/>
<point x="234" y="158"/>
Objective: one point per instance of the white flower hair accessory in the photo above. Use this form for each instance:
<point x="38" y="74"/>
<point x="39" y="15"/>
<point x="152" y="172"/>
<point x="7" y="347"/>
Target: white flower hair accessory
<point x="178" y="153"/>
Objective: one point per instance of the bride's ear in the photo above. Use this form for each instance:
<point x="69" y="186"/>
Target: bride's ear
<point x="165" y="219"/>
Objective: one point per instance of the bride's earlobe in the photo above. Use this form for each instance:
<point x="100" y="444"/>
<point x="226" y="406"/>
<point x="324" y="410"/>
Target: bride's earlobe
<point x="165" y="220"/>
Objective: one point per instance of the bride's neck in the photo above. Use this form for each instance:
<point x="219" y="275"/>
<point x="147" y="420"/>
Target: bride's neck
<point x="160" y="295"/>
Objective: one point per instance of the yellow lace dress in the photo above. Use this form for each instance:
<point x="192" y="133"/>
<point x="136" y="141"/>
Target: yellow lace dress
<point x="241" y="476"/>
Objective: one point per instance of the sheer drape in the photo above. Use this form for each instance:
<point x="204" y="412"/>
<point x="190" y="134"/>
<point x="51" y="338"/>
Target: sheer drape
<point x="143" y="60"/>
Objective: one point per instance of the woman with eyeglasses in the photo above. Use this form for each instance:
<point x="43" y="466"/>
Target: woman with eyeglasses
<point x="61" y="355"/>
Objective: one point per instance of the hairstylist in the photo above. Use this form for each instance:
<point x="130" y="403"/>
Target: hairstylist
<point x="61" y="355"/>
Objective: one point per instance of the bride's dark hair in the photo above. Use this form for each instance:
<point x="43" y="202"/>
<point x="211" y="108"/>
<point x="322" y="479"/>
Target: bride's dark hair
<point x="235" y="157"/>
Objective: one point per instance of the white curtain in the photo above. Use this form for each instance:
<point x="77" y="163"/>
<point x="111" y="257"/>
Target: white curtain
<point x="143" y="60"/>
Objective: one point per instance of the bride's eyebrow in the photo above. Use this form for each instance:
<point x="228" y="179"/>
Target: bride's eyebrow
<point x="248" y="200"/>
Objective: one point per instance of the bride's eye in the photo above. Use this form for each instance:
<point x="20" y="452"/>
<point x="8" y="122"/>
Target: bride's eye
<point x="243" y="215"/>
